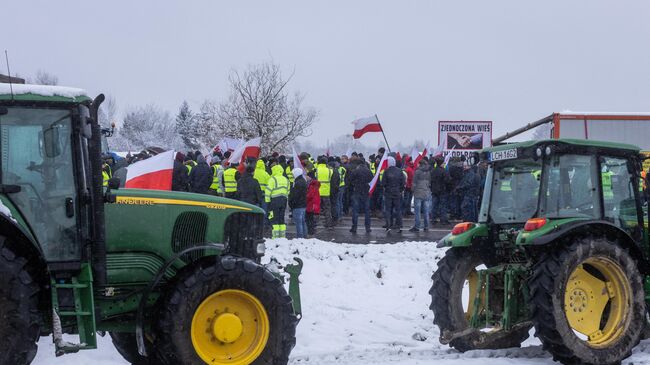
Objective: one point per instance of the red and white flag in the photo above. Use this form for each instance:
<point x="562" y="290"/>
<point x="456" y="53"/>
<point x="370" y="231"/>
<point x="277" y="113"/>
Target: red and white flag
<point x="414" y="153"/>
<point x="417" y="160"/>
<point x="448" y="157"/>
<point x="365" y="125"/>
<point x="383" y="164"/>
<point x="154" y="173"/>
<point x="249" y="149"/>
<point x="297" y="164"/>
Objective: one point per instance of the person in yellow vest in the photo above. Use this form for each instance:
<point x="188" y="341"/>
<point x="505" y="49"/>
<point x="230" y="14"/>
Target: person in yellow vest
<point x="106" y="174"/>
<point x="288" y="171"/>
<point x="606" y="177"/>
<point x="324" y="176"/>
<point x="216" y="188"/>
<point x="277" y="192"/>
<point x="340" y="198"/>
<point x="230" y="177"/>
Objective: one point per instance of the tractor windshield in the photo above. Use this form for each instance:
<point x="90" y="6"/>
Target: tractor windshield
<point x="513" y="191"/>
<point x="570" y="187"/>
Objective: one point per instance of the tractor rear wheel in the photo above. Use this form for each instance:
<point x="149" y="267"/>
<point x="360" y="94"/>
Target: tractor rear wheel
<point x="127" y="346"/>
<point x="226" y="310"/>
<point x="587" y="302"/>
<point x="456" y="271"/>
<point x="19" y="314"/>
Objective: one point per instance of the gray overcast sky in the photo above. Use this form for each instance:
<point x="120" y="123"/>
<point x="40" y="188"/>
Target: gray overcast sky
<point x="411" y="62"/>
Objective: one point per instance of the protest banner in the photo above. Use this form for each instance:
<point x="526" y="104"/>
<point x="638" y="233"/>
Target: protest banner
<point x="464" y="137"/>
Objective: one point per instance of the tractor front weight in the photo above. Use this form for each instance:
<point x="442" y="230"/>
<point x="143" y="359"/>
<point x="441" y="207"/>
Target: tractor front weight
<point x="501" y="297"/>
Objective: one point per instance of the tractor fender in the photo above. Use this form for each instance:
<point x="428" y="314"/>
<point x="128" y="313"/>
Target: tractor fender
<point x="22" y="240"/>
<point x="139" y="319"/>
<point x="585" y="228"/>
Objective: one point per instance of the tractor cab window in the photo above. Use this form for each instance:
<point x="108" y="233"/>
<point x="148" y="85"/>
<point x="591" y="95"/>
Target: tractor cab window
<point x="618" y="193"/>
<point x="36" y="154"/>
<point x="570" y="187"/>
<point x="513" y="192"/>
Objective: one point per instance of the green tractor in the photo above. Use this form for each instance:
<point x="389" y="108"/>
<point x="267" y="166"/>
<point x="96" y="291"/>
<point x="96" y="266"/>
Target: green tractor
<point x="174" y="278"/>
<point x="561" y="245"/>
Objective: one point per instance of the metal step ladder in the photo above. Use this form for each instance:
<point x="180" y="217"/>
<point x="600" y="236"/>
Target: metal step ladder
<point x="83" y="311"/>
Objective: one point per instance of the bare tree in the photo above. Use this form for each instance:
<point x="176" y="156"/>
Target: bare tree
<point x="45" y="78"/>
<point x="261" y="106"/>
<point x="149" y="126"/>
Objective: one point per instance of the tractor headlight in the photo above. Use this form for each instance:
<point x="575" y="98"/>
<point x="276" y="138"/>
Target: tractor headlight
<point x="538" y="152"/>
<point x="260" y="249"/>
<point x="548" y="150"/>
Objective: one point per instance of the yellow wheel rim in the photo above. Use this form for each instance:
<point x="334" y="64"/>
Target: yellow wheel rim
<point x="472" y="283"/>
<point x="230" y="327"/>
<point x="597" y="301"/>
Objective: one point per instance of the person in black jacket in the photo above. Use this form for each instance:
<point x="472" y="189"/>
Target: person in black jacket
<point x="248" y="189"/>
<point x="298" y="202"/>
<point x="359" y="189"/>
<point x="180" y="179"/>
<point x="201" y="176"/>
<point x="440" y="182"/>
<point x="393" y="183"/>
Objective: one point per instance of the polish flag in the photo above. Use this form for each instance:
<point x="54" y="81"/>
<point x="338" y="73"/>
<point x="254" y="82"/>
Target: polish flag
<point x="448" y="157"/>
<point x="414" y="154"/>
<point x="154" y="173"/>
<point x="249" y="149"/>
<point x="297" y="164"/>
<point x="365" y="125"/>
<point x="417" y="160"/>
<point x="383" y="164"/>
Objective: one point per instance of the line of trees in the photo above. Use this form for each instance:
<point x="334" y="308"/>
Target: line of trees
<point x="260" y="104"/>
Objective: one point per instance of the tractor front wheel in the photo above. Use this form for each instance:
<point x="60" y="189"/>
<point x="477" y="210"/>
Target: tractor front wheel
<point x="19" y="314"/>
<point x="227" y="310"/>
<point x="126" y="345"/>
<point x="588" y="302"/>
<point x="456" y="273"/>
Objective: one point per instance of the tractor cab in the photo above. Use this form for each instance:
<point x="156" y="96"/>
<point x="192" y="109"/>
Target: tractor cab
<point x="531" y="185"/>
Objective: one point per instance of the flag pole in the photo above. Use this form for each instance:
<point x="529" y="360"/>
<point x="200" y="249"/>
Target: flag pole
<point x="382" y="132"/>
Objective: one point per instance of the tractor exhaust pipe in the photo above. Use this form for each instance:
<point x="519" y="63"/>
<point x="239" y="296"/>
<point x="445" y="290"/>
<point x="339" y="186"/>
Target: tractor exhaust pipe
<point x="98" y="228"/>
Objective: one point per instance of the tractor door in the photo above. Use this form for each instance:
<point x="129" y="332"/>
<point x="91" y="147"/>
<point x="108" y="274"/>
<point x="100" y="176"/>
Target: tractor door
<point x="620" y="203"/>
<point x="37" y="156"/>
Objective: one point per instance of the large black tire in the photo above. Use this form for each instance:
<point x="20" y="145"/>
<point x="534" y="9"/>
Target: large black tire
<point x="127" y="346"/>
<point x="547" y="295"/>
<point x="19" y="314"/>
<point x="213" y="275"/>
<point x="449" y="314"/>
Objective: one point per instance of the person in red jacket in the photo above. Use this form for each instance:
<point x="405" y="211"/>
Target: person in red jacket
<point x="313" y="203"/>
<point x="408" y="191"/>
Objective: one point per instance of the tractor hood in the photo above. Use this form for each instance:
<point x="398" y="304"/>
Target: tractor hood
<point x="176" y="198"/>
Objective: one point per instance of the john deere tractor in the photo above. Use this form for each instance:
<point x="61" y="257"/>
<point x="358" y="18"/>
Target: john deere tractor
<point x="561" y="245"/>
<point x="174" y="278"/>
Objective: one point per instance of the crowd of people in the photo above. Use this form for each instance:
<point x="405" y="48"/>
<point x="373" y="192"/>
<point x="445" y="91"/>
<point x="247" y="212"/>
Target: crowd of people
<point x="321" y="191"/>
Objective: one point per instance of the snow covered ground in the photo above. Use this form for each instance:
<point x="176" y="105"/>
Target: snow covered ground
<point x="362" y="304"/>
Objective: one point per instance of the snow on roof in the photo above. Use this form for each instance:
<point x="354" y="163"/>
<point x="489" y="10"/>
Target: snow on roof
<point x="571" y="112"/>
<point x="43" y="90"/>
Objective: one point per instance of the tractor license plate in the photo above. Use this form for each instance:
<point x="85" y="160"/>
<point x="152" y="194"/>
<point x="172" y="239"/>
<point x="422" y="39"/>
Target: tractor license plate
<point x="503" y="155"/>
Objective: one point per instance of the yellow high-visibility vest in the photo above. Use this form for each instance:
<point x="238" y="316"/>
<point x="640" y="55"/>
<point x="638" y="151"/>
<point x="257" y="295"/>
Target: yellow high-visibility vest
<point x="342" y="172"/>
<point x="324" y="176"/>
<point x="215" y="178"/>
<point x="229" y="180"/>
<point x="278" y="186"/>
<point x="606" y="177"/>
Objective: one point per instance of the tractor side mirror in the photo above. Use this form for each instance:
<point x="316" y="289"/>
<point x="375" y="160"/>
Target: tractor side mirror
<point x="51" y="142"/>
<point x="86" y="122"/>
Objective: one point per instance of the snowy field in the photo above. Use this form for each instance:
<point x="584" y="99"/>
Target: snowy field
<point x="362" y="304"/>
